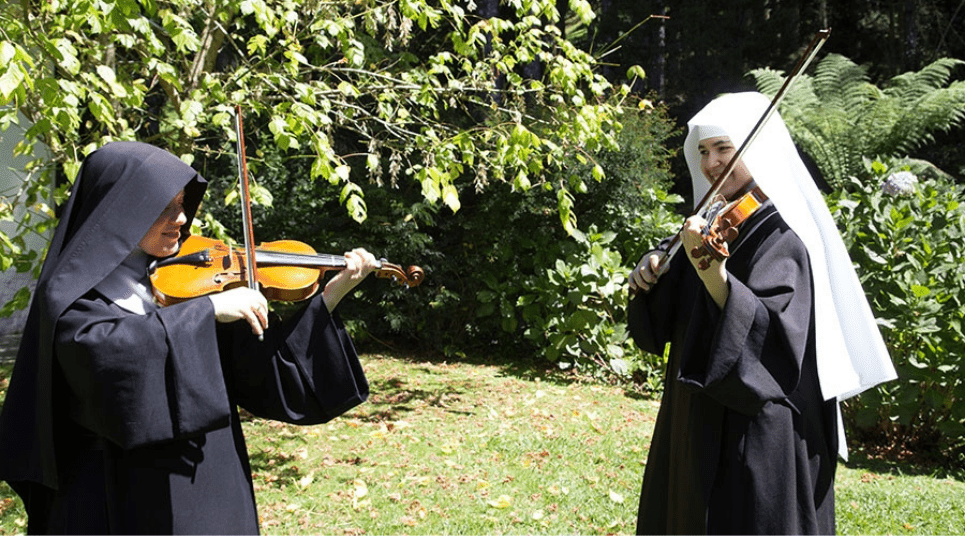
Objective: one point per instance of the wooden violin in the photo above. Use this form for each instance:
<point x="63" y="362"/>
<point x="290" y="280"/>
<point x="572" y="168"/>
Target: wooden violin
<point x="723" y="224"/>
<point x="287" y="270"/>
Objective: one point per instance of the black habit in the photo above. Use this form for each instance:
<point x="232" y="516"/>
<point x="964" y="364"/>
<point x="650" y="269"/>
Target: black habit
<point x="126" y="422"/>
<point x="744" y="442"/>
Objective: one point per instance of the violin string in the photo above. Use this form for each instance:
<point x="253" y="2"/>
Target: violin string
<point x="302" y="259"/>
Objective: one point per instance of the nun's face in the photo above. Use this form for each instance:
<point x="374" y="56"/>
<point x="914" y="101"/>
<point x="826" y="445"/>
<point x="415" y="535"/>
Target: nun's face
<point x="162" y="238"/>
<point x="715" y="154"/>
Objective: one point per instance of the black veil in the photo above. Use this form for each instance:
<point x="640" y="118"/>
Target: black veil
<point x="120" y="191"/>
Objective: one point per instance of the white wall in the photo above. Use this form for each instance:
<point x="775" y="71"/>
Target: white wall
<point x="11" y="177"/>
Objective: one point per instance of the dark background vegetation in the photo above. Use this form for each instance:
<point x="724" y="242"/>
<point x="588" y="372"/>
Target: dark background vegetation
<point x="496" y="241"/>
<point x="706" y="48"/>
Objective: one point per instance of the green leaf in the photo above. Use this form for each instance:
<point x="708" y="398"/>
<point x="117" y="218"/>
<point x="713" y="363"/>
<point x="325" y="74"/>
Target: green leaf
<point x="19" y="302"/>
<point x="450" y="196"/>
<point x="10" y="82"/>
<point x="101" y="108"/>
<point x="636" y="72"/>
<point x="920" y="291"/>
<point x="598" y="173"/>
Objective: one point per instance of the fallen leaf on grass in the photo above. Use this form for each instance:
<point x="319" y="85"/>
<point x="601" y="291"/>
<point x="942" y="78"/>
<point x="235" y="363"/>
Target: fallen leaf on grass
<point x="504" y="501"/>
<point x="616" y="497"/>
<point x="360" y="490"/>
<point x="306" y="480"/>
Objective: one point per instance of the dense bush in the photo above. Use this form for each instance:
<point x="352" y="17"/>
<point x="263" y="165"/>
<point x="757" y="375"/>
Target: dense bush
<point x="502" y="274"/>
<point x="906" y="233"/>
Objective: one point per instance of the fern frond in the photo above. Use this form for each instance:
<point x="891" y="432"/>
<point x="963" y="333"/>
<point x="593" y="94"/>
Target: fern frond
<point x="874" y="126"/>
<point x="840" y="118"/>
<point x="912" y="85"/>
<point x="800" y="97"/>
<point x="836" y="79"/>
<point x="939" y="110"/>
<point x="767" y="80"/>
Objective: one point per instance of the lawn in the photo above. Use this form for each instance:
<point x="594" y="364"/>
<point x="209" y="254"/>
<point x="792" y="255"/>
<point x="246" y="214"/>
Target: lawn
<point x="465" y="447"/>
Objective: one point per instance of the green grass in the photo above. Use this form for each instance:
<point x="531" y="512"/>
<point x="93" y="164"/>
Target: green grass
<point x="475" y="448"/>
<point x="875" y="497"/>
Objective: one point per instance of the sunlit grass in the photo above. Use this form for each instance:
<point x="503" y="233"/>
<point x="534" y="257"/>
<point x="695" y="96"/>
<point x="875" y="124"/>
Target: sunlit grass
<point x="477" y="448"/>
<point x="455" y="448"/>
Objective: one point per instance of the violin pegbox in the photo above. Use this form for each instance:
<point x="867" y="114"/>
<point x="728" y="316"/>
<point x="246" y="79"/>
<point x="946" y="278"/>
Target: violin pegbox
<point x="408" y="278"/>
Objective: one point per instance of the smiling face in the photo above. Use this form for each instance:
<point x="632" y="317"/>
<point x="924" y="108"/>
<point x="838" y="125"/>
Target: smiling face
<point x="715" y="154"/>
<point x="161" y="240"/>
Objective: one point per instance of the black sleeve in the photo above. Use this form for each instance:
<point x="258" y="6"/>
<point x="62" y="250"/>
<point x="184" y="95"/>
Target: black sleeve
<point x="306" y="371"/>
<point x="650" y="315"/>
<point x="757" y="342"/>
<point x="142" y="379"/>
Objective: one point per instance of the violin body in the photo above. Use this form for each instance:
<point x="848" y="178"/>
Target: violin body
<point x="287" y="270"/>
<point x="722" y="227"/>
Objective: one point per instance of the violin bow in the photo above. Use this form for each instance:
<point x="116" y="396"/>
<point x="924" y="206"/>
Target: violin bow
<point x="812" y="50"/>
<point x="246" y="221"/>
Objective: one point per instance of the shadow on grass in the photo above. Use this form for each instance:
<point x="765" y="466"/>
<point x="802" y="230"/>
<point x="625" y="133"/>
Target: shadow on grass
<point x="525" y="367"/>
<point x="923" y="464"/>
<point x="392" y="398"/>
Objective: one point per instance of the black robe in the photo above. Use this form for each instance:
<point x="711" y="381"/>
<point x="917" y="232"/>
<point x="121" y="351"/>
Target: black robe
<point x="744" y="442"/>
<point x="118" y="422"/>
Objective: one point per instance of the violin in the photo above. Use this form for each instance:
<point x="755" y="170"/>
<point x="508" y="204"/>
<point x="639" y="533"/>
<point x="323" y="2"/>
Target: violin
<point x="287" y="270"/>
<point x="723" y="224"/>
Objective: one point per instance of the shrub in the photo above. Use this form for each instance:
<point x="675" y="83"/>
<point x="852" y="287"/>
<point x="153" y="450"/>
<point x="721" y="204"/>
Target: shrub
<point x="567" y="297"/>
<point x="905" y="233"/>
<point x="502" y="274"/>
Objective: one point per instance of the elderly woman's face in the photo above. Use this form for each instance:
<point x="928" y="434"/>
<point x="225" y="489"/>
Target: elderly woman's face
<point x="162" y="238"/>
<point x="715" y="154"/>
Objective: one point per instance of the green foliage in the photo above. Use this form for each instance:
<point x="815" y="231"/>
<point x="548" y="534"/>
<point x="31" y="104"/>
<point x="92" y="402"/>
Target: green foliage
<point x="567" y="297"/>
<point x="562" y="297"/>
<point x="837" y="116"/>
<point x="424" y="92"/>
<point x="492" y="268"/>
<point x="575" y="311"/>
<point x="909" y="249"/>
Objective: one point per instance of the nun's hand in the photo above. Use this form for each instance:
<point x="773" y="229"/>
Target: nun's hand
<point x="358" y="265"/>
<point x="645" y="275"/>
<point x="241" y="303"/>
<point x="714" y="275"/>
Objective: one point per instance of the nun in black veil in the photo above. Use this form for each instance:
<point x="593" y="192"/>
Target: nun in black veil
<point x="121" y="417"/>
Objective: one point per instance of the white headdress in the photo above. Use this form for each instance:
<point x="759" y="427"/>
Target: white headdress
<point x="851" y="354"/>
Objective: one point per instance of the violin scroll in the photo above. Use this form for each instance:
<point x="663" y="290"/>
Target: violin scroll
<point x="408" y="278"/>
<point x="722" y="229"/>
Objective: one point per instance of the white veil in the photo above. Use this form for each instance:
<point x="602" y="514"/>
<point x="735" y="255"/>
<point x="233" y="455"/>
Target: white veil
<point x="851" y="354"/>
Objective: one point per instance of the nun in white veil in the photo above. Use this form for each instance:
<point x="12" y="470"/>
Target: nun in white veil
<point x="749" y="425"/>
<point x="851" y="354"/>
